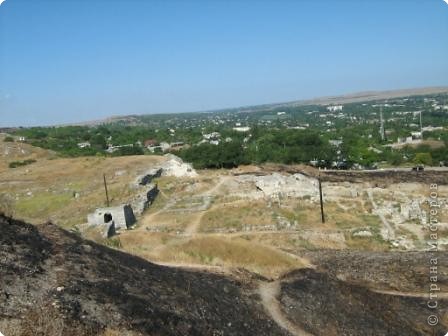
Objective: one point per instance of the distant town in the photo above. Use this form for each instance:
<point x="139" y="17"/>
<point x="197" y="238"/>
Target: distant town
<point x="404" y="131"/>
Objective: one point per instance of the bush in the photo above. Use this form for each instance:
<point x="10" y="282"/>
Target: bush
<point x="423" y="158"/>
<point x="15" y="164"/>
<point x="8" y="139"/>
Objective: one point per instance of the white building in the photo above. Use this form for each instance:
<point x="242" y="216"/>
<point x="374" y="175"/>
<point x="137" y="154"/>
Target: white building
<point x="416" y="135"/>
<point x="165" y="146"/>
<point x="212" y="136"/>
<point x="84" y="144"/>
<point x="334" y="108"/>
<point x="242" y="129"/>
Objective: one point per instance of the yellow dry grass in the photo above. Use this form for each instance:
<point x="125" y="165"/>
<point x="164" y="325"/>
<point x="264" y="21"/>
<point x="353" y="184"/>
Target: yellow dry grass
<point x="66" y="190"/>
<point x="18" y="151"/>
<point x="211" y="250"/>
<point x="235" y="215"/>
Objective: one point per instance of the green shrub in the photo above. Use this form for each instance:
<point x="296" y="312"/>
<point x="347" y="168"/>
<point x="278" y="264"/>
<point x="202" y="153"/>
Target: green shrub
<point x="15" y="164"/>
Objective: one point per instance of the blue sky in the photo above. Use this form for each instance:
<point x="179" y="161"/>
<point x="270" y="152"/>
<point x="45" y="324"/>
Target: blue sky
<point x="74" y="60"/>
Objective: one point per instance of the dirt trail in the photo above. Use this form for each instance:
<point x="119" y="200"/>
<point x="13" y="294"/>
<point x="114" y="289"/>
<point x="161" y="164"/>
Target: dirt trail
<point x="269" y="292"/>
<point x="196" y="222"/>
<point x="410" y="294"/>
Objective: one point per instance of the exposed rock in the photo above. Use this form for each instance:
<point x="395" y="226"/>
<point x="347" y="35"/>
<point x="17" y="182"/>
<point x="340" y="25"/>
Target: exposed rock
<point x="278" y="185"/>
<point x="174" y="166"/>
<point x="363" y="233"/>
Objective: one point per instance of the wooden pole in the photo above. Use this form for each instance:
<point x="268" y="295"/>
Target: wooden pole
<point x="105" y="187"/>
<point x="321" y="201"/>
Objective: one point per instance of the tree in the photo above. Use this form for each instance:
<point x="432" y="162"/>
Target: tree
<point x="423" y="158"/>
<point x="98" y="141"/>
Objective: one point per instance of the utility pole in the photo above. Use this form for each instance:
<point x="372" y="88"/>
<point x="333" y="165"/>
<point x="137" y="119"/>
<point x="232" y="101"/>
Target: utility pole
<point x="421" y="125"/>
<point x="105" y="187"/>
<point x="382" y="130"/>
<point x="321" y="201"/>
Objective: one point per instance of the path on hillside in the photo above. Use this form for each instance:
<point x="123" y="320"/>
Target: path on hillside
<point x="147" y="218"/>
<point x="269" y="293"/>
<point x="193" y="227"/>
<point x="410" y="294"/>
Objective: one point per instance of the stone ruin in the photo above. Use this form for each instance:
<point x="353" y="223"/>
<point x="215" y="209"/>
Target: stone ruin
<point x="277" y="185"/>
<point x="111" y="219"/>
<point x="123" y="216"/>
<point x="144" y="198"/>
<point x="147" y="177"/>
<point x="147" y="191"/>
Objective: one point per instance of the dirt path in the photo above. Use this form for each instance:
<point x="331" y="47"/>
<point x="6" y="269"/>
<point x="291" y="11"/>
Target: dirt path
<point x="269" y="292"/>
<point x="410" y="294"/>
<point x="147" y="219"/>
<point x="390" y="230"/>
<point x="196" y="222"/>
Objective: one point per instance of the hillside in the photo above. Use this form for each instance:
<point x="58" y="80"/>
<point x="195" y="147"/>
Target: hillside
<point x="65" y="190"/>
<point x="17" y="151"/>
<point x="90" y="287"/>
<point x="55" y="283"/>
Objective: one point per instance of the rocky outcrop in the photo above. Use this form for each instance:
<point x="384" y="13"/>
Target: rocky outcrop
<point x="174" y="166"/>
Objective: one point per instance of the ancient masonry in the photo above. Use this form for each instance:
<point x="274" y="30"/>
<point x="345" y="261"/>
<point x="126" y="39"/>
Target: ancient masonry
<point x="147" y="191"/>
<point x="110" y="219"/>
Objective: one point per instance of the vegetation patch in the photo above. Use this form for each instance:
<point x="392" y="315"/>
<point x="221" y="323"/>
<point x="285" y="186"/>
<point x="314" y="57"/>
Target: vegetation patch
<point x="220" y="251"/>
<point x="15" y="164"/>
<point x="42" y="204"/>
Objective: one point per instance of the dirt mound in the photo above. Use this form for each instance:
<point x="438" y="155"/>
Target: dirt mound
<point x="92" y="287"/>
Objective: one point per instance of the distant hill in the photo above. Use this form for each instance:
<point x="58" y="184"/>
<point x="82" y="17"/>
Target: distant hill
<point x="327" y="100"/>
<point x="359" y="97"/>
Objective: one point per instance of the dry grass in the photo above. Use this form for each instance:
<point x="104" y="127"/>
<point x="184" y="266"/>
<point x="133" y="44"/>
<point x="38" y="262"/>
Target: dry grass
<point x="232" y="253"/>
<point x="235" y="215"/>
<point x="172" y="221"/>
<point x="146" y="244"/>
<point x="42" y="320"/>
<point x="46" y="190"/>
<point x="280" y="240"/>
<point x="15" y="151"/>
<point x="375" y="243"/>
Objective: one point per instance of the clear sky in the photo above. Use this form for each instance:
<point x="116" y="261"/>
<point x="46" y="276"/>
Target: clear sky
<point x="66" y="61"/>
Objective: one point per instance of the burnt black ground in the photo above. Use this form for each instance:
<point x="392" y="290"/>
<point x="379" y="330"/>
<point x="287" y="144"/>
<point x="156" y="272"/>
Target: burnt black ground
<point x="92" y="286"/>
<point x="327" y="306"/>
<point x="104" y="287"/>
